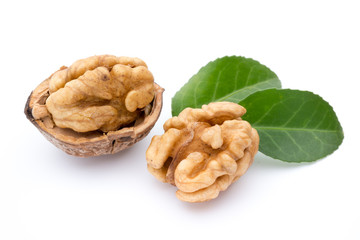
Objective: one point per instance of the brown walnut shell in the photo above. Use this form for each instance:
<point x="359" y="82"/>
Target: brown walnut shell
<point x="93" y="143"/>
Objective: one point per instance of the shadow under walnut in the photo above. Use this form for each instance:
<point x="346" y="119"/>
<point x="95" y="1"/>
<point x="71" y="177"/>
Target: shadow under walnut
<point x="93" y="143"/>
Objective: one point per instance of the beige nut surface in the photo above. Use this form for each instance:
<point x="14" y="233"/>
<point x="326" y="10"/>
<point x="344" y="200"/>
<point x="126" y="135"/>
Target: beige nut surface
<point x="203" y="150"/>
<point x="100" y="92"/>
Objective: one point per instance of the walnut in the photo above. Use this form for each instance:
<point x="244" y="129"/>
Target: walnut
<point x="99" y="105"/>
<point x="99" y="92"/>
<point x="203" y="150"/>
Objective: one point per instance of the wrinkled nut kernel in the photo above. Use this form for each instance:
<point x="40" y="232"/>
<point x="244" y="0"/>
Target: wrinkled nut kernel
<point x="203" y="150"/>
<point x="99" y="92"/>
<point x="99" y="105"/>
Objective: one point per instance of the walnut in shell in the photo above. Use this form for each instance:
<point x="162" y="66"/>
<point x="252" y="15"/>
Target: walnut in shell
<point x="203" y="150"/>
<point x="99" y="105"/>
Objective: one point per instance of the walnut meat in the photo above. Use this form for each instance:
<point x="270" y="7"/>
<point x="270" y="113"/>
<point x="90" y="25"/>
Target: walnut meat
<point x="99" y="105"/>
<point x="99" y="92"/>
<point x="203" y="150"/>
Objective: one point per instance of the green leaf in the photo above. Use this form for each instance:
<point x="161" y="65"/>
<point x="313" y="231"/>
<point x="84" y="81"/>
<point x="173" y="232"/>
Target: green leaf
<point x="225" y="79"/>
<point x="294" y="126"/>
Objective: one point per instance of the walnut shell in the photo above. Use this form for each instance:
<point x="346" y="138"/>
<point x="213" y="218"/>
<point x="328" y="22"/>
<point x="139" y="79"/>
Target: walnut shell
<point x="94" y="143"/>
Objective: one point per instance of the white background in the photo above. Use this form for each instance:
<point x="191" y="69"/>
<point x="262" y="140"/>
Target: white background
<point x="47" y="194"/>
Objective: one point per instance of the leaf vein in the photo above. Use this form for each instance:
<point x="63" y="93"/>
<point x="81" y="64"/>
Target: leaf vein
<point x="293" y="129"/>
<point x="195" y="91"/>
<point x="249" y="74"/>
<point x="248" y="88"/>
<point x="323" y="118"/>
<point x="311" y="116"/>
<point x="216" y="85"/>
<point x="275" y="143"/>
<point x="296" y="144"/>
<point x="266" y="113"/>
<point x="293" y="115"/>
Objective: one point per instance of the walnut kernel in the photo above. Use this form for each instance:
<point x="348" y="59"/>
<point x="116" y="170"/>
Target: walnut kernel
<point x="203" y="150"/>
<point x="99" y="92"/>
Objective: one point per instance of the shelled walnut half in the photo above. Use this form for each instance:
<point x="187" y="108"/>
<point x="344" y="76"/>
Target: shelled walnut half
<point x="99" y="105"/>
<point x="203" y="150"/>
